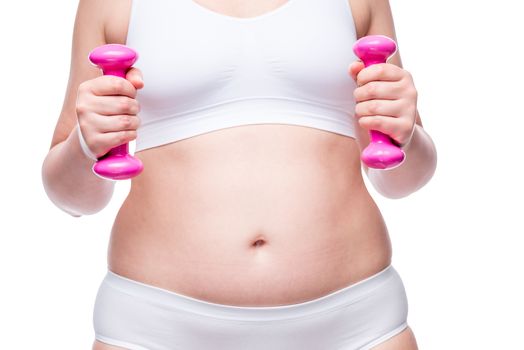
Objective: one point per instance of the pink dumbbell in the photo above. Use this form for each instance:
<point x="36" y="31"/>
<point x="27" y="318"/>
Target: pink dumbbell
<point x="381" y="153"/>
<point x="117" y="164"/>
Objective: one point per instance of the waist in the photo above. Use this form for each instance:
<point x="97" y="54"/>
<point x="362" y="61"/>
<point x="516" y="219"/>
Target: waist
<point x="260" y="207"/>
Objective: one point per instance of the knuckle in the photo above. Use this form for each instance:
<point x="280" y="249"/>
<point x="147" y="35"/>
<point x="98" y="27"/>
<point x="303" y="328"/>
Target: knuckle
<point x="133" y="91"/>
<point x="125" y="105"/>
<point x="373" y="107"/>
<point x="372" y="90"/>
<point x="134" y="107"/>
<point x="359" y="109"/>
<point x="117" y="85"/>
<point x="82" y="123"/>
<point x="80" y="103"/>
<point x="414" y="93"/>
<point x="80" y="108"/>
<point x="378" y="123"/>
<point x="402" y="105"/>
<point x="91" y="141"/>
<point x="361" y="123"/>
<point x="408" y="125"/>
<point x="87" y="86"/>
<point x="122" y="83"/>
<point x="397" y="89"/>
<point x="125" y="136"/>
<point x="125" y="122"/>
<point x="408" y="91"/>
<point x="96" y="147"/>
<point x="120" y="138"/>
<point x="371" y="122"/>
<point x="379" y="69"/>
<point x="82" y="130"/>
<point x="131" y="135"/>
<point x="361" y="77"/>
<point x="357" y="94"/>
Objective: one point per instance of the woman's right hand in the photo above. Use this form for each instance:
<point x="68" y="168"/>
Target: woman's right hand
<point x="107" y="110"/>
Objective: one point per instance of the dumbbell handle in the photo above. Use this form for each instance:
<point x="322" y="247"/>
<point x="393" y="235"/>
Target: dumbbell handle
<point x="381" y="153"/>
<point x="117" y="164"/>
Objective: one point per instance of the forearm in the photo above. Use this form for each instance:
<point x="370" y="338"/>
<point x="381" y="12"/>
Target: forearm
<point x="69" y="181"/>
<point x="416" y="170"/>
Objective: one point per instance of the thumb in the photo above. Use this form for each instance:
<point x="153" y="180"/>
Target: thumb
<point x="134" y="75"/>
<point x="355" y="68"/>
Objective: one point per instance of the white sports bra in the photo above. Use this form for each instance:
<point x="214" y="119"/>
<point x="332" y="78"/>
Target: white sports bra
<point x="205" y="71"/>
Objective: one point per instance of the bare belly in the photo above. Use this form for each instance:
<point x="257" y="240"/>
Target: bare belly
<point x="256" y="215"/>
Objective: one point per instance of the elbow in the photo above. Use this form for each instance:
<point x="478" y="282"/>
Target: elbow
<point x="52" y="192"/>
<point x="68" y="198"/>
<point x="385" y="187"/>
<point x="393" y="193"/>
<point x="71" y="212"/>
<point x="396" y="192"/>
<point x="395" y="188"/>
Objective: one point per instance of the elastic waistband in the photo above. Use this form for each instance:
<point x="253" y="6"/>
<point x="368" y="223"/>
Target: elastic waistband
<point x="168" y="299"/>
<point x="161" y="127"/>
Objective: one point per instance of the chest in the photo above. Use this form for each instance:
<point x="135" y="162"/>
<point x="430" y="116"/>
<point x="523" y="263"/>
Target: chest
<point x="118" y="12"/>
<point x="241" y="8"/>
<point x="204" y="69"/>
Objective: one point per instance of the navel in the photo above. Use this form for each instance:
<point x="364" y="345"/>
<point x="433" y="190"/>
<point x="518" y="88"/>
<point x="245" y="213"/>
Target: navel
<point x="259" y="243"/>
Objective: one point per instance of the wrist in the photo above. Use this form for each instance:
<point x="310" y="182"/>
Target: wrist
<point x="83" y="145"/>
<point x="408" y="144"/>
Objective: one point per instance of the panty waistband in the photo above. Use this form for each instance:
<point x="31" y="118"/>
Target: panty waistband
<point x="388" y="279"/>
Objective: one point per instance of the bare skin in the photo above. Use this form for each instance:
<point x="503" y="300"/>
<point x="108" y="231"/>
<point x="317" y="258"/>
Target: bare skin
<point x="190" y="222"/>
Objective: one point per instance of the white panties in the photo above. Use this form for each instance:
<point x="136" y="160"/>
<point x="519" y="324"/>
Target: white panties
<point x="137" y="316"/>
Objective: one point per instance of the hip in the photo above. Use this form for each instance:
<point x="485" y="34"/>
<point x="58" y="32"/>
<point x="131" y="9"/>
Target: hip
<point x="359" y="316"/>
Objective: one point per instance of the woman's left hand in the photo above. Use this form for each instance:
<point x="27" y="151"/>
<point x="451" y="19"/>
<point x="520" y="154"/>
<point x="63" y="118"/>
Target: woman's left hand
<point x="386" y="100"/>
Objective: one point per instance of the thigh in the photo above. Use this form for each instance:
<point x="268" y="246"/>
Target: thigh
<point x="97" y="345"/>
<point x="405" y="340"/>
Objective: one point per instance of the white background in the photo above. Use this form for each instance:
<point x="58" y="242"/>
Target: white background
<point x="457" y="242"/>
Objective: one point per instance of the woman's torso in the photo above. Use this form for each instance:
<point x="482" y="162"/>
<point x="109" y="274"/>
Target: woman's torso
<point x="282" y="216"/>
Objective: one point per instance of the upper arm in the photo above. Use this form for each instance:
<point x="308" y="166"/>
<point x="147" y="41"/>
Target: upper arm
<point x="380" y="22"/>
<point x="88" y="33"/>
